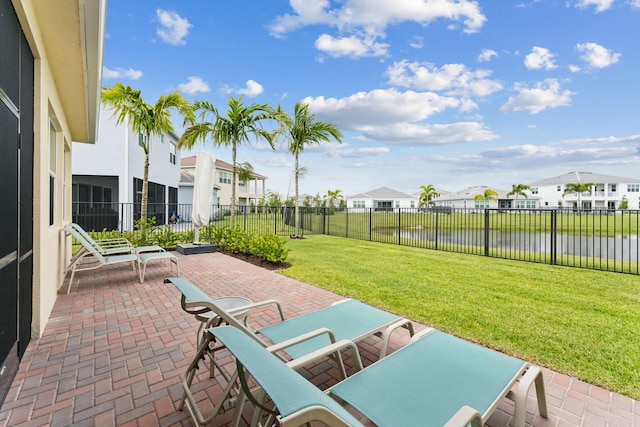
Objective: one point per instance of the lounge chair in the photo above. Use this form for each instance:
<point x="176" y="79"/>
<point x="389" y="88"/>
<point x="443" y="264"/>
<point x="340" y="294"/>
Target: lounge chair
<point x="294" y="338"/>
<point x="436" y="380"/>
<point x="90" y="258"/>
<point x="347" y="319"/>
<point x="118" y="245"/>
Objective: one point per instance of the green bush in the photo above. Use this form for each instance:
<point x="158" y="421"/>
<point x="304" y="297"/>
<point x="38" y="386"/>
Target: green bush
<point x="165" y="237"/>
<point x="270" y="248"/>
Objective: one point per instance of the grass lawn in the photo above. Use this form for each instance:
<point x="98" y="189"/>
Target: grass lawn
<point x="583" y="323"/>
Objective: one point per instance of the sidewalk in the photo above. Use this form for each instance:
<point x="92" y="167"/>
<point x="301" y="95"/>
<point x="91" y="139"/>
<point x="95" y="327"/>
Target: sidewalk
<point x="114" y="351"/>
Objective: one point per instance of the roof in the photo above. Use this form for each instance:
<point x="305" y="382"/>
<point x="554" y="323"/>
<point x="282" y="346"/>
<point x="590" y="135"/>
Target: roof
<point x="382" y="193"/>
<point x="190" y="162"/>
<point x="583" y="177"/>
<point x="70" y="34"/>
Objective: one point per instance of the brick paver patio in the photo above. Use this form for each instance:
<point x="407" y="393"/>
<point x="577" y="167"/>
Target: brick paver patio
<point x="114" y="351"/>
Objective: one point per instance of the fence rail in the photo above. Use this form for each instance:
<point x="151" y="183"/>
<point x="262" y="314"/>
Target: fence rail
<point x="597" y="239"/>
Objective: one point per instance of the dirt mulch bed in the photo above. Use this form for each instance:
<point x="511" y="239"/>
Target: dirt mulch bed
<point x="257" y="261"/>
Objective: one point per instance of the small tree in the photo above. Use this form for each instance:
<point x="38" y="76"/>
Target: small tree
<point x="624" y="203"/>
<point x="518" y="190"/>
<point x="485" y="197"/>
<point x="428" y="194"/>
<point x="578" y="188"/>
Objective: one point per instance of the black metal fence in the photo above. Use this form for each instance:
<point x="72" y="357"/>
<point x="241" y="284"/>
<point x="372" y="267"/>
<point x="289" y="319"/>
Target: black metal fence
<point x="604" y="240"/>
<point x="596" y="239"/>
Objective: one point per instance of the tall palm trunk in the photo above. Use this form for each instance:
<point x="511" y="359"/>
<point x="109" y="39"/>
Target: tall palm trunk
<point x="297" y="200"/>
<point x="145" y="191"/>
<point x="233" y="185"/>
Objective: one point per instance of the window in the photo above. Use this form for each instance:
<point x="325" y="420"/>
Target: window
<point x="162" y="139"/>
<point x="241" y="183"/>
<point x="142" y="140"/>
<point x="614" y="188"/>
<point x="413" y="203"/>
<point x="633" y="188"/>
<point x="172" y="153"/>
<point x="358" y="203"/>
<point x="559" y="188"/>
<point x="225" y="178"/>
<point x="397" y="203"/>
<point x="53" y="147"/>
<point x="534" y="190"/>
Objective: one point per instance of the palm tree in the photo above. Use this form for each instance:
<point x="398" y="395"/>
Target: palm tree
<point x="485" y="197"/>
<point x="428" y="194"/>
<point x="301" y="130"/>
<point x="578" y="188"/>
<point x="518" y="190"/>
<point x="146" y="120"/>
<point x="240" y="122"/>
<point x="332" y="197"/>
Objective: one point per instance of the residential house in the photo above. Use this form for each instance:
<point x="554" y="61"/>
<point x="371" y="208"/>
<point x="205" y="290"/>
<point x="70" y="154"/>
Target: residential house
<point x="607" y="193"/>
<point x="382" y="199"/>
<point x="464" y="199"/>
<point x="50" y="66"/>
<point x="247" y="192"/>
<point x="108" y="175"/>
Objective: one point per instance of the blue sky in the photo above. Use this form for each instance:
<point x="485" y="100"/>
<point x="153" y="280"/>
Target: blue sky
<point x="453" y="93"/>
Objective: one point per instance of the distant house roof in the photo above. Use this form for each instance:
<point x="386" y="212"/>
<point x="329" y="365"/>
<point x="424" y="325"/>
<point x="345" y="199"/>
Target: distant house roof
<point x="190" y="162"/>
<point x="382" y="193"/>
<point x="583" y="177"/>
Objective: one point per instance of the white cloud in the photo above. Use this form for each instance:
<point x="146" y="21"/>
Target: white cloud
<point x="121" y="73"/>
<point x="381" y="107"/>
<point x="601" y="5"/>
<point x="276" y="161"/>
<point x="597" y="56"/>
<point x="394" y="117"/>
<point x="635" y="3"/>
<point x="359" y="152"/>
<point x="253" y="89"/>
<point x="605" y="140"/>
<point x="539" y="57"/>
<point x="543" y="96"/>
<point x="410" y="134"/>
<point x="378" y="14"/>
<point x="417" y="42"/>
<point x="173" y="28"/>
<point x="574" y="68"/>
<point x="194" y="85"/>
<point x="453" y="78"/>
<point x="486" y="55"/>
<point x="351" y="46"/>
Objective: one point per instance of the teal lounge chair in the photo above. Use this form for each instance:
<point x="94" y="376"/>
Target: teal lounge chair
<point x="436" y="380"/>
<point x="294" y="338"/>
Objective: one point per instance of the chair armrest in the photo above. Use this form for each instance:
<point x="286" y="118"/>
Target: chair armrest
<point x="465" y="416"/>
<point x="259" y="304"/>
<point x="301" y="338"/>
<point x="326" y="351"/>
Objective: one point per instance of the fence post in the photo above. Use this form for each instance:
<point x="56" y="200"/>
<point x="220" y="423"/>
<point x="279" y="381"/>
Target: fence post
<point x="399" y="224"/>
<point x="486" y="232"/>
<point x="346" y="230"/>
<point x="554" y="236"/>
<point x="370" y="224"/>
<point x="437" y="224"/>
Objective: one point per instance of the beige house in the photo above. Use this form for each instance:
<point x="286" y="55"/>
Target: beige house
<point x="50" y="68"/>
<point x="247" y="192"/>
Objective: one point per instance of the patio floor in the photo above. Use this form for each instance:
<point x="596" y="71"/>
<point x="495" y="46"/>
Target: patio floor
<point x="114" y="351"/>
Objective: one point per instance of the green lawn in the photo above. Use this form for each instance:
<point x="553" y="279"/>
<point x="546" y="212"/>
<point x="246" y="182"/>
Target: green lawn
<point x="579" y="322"/>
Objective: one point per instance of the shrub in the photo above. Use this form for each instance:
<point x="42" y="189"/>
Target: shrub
<point x="270" y="248"/>
<point x="165" y="237"/>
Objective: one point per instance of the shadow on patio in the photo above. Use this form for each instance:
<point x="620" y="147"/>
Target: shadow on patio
<point x="114" y="351"/>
